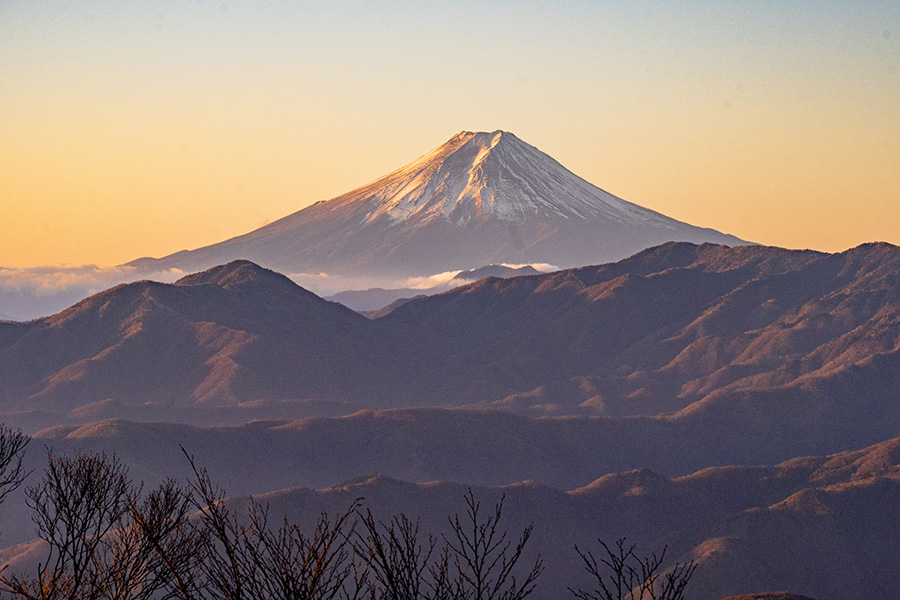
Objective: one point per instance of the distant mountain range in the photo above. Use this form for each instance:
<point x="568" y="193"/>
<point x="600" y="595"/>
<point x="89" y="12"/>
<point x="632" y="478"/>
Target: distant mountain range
<point x="651" y="389"/>
<point x="796" y="350"/>
<point x="480" y="198"/>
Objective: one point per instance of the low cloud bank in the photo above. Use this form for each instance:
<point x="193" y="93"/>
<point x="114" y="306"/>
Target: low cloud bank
<point x="542" y="267"/>
<point x="425" y="283"/>
<point x="30" y="293"/>
<point x="444" y="279"/>
<point x="324" y="284"/>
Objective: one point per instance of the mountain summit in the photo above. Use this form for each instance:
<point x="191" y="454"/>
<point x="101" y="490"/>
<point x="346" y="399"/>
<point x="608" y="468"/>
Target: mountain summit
<point x="485" y="176"/>
<point x="479" y="198"/>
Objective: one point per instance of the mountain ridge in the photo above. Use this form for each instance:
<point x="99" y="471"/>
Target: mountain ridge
<point x="747" y="338"/>
<point x="214" y="337"/>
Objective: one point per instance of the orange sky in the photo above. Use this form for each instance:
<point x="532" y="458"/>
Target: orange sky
<point x="135" y="131"/>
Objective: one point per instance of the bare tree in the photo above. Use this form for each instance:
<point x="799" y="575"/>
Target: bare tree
<point x="476" y="561"/>
<point x="103" y="540"/>
<point x="620" y="574"/>
<point x="12" y="448"/>
<point x="400" y="562"/>
<point x="166" y="539"/>
<point x="78" y="502"/>
<point x="106" y="540"/>
<point x="485" y="558"/>
<point x="293" y="565"/>
<point x="240" y="556"/>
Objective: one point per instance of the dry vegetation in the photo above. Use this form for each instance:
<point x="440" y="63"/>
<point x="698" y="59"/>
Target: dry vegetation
<point x="105" y="538"/>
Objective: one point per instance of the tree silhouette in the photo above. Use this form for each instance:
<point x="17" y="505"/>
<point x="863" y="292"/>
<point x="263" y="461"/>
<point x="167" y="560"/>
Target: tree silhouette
<point x="12" y="448"/>
<point x="242" y="556"/>
<point x="620" y="574"/>
<point x="104" y="539"/>
<point x="485" y="557"/>
<point x="107" y="540"/>
<point x="476" y="561"/>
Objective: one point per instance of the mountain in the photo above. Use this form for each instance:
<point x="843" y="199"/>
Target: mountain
<point x="480" y="198"/>
<point x="488" y="448"/>
<point x="824" y="526"/>
<point x="791" y="351"/>
<point x="234" y="335"/>
<point x="673" y="327"/>
<point x="635" y="398"/>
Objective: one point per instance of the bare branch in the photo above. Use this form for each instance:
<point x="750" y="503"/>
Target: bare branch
<point x="12" y="449"/>
<point x="621" y="574"/>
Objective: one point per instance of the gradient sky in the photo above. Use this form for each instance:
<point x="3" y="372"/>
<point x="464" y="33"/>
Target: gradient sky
<point x="133" y="129"/>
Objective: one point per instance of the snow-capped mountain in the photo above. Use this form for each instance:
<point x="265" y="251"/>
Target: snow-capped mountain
<point x="479" y="198"/>
<point x="481" y="176"/>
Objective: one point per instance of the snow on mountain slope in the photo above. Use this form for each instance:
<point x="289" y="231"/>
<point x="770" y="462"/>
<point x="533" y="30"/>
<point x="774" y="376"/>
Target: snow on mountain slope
<point x="480" y="198"/>
<point x="492" y="175"/>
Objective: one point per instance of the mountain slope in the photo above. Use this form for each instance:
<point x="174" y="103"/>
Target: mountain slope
<point x="796" y="351"/>
<point x="822" y="525"/>
<point x="234" y="334"/>
<point x="479" y="198"/>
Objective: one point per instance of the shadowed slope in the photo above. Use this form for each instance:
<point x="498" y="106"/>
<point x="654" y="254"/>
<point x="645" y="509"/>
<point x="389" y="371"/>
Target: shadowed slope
<point x="663" y="329"/>
<point x="776" y="345"/>
<point x="824" y="525"/>
<point x="235" y="333"/>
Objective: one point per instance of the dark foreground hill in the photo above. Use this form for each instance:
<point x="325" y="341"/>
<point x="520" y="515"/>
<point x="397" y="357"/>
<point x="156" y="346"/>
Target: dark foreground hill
<point x="824" y="526"/>
<point x="769" y="596"/>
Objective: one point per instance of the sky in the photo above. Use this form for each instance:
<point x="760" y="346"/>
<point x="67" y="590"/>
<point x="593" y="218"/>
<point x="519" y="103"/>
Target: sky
<point x="135" y="129"/>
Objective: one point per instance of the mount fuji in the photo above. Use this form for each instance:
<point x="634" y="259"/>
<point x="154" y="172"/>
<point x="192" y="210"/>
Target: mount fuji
<point x="479" y="198"/>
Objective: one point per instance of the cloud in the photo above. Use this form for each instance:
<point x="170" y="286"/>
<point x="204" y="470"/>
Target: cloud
<point x="542" y="267"/>
<point x="325" y="284"/>
<point x="30" y="293"/>
<point x="424" y="283"/>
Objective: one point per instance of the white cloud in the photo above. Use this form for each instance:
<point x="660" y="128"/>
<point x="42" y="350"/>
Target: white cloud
<point x="54" y="279"/>
<point x="542" y="267"/>
<point x="324" y="284"/>
<point x="424" y="283"/>
<point x="29" y="293"/>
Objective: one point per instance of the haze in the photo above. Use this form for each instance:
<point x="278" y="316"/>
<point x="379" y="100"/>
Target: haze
<point x="143" y="129"/>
